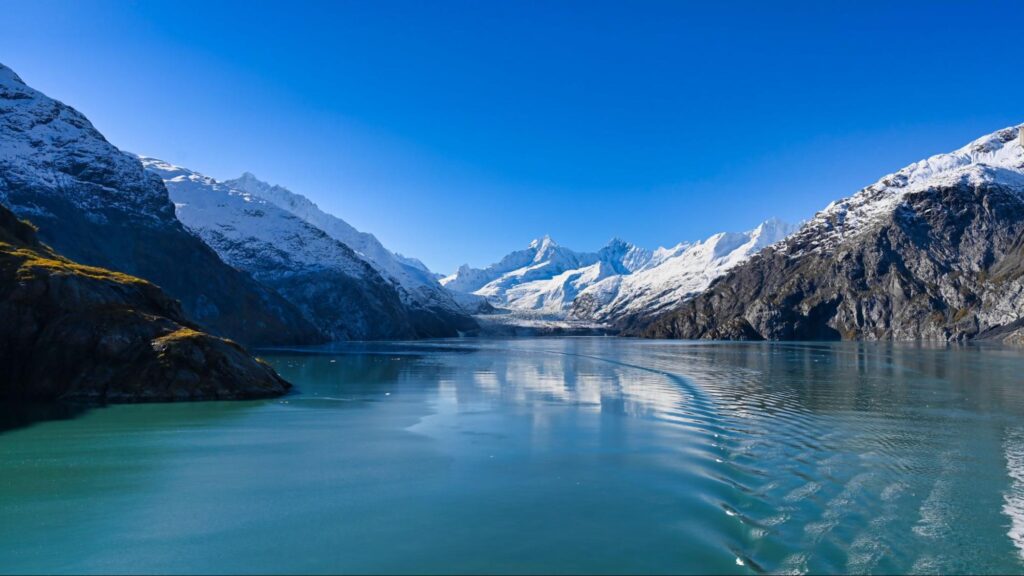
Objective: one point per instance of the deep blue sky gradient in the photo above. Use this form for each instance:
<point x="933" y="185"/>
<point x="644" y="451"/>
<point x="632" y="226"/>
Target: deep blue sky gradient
<point x="458" y="131"/>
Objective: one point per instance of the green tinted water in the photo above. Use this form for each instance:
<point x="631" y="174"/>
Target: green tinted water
<point x="584" y="455"/>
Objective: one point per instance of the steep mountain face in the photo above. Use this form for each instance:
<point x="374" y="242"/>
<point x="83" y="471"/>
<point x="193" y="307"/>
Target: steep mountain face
<point x="671" y="275"/>
<point x="934" y="251"/>
<point x="432" y="311"/>
<point x="336" y="290"/>
<point x="96" y="205"/>
<point x="614" y="285"/>
<point x="69" y="331"/>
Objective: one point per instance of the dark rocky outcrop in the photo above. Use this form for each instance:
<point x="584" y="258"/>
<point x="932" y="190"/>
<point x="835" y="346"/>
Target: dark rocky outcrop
<point x="75" y="332"/>
<point x="346" y="307"/>
<point x="944" y="260"/>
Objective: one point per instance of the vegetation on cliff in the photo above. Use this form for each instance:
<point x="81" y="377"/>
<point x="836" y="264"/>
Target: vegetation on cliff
<point x="70" y="331"/>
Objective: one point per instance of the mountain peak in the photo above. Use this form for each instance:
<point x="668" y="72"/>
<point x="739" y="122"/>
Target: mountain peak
<point x="251" y="183"/>
<point x="910" y="257"/>
<point x="774" y="227"/>
<point x="771" y="231"/>
<point x="772" y="222"/>
<point x="273" y="193"/>
<point x="996" y="158"/>
<point x="8" y="76"/>
<point x="1000" y="149"/>
<point x="616" y="248"/>
<point x="541" y="244"/>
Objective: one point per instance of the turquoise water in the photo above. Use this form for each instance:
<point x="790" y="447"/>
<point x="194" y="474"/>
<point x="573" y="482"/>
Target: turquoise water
<point x="587" y="455"/>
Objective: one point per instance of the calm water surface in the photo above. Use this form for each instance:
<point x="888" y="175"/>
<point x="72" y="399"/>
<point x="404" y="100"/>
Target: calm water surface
<point x="592" y="455"/>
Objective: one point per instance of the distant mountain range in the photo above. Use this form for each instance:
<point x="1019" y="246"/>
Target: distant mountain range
<point x="615" y="286"/>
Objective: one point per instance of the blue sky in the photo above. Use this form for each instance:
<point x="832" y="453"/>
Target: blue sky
<point x="458" y="131"/>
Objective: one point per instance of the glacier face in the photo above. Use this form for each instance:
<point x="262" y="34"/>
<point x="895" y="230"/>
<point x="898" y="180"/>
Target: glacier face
<point x="618" y="281"/>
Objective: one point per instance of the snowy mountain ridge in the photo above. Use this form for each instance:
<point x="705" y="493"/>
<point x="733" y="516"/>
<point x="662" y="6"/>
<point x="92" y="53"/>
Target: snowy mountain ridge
<point x="672" y="275"/>
<point x="335" y="288"/>
<point x="994" y="158"/>
<point x="38" y="133"/>
<point x="267" y="231"/>
<point x="250" y="232"/>
<point x="549" y="281"/>
<point x="418" y="286"/>
<point x="930" y="252"/>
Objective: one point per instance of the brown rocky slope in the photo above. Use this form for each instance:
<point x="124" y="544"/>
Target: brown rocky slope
<point x="75" y="332"/>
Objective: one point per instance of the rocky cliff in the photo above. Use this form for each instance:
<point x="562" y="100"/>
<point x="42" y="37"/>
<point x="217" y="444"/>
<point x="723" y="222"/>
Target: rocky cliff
<point x="934" y="251"/>
<point x="70" y="331"/>
<point x="97" y="205"/>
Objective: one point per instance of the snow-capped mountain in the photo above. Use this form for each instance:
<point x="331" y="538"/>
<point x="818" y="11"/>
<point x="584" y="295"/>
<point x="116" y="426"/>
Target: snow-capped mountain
<point x="994" y="158"/>
<point x="435" y="312"/>
<point x="97" y="205"/>
<point x="617" y="281"/>
<point x="672" y="275"/>
<point x="543" y="278"/>
<point x="337" y="289"/>
<point x="542" y="259"/>
<point x="334" y="287"/>
<point x="933" y="251"/>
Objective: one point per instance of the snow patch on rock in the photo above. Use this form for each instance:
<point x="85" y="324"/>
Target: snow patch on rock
<point x="995" y="158"/>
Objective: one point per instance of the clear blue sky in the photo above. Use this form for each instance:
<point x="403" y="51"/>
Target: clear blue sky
<point x="458" y="131"/>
